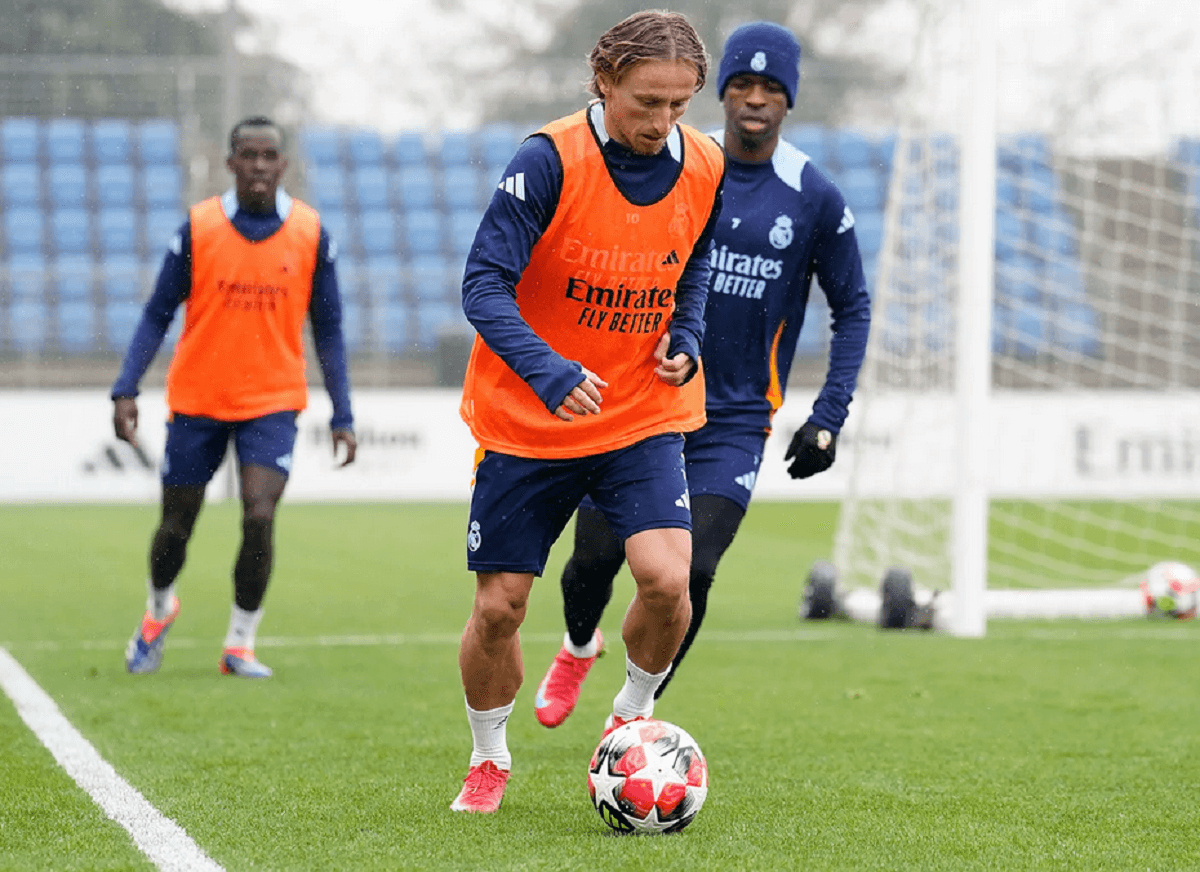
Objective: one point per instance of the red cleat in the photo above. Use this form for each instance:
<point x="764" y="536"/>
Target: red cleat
<point x="559" y="690"/>
<point x="483" y="789"/>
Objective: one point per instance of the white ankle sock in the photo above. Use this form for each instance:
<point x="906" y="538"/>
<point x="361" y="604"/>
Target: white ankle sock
<point x="158" y="602"/>
<point x="243" y="626"/>
<point x="489" y="729"/>
<point x="588" y="650"/>
<point x="636" y="698"/>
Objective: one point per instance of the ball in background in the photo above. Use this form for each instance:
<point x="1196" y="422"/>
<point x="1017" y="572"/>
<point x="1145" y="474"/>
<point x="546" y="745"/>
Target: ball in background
<point x="1170" y="590"/>
<point x="648" y="776"/>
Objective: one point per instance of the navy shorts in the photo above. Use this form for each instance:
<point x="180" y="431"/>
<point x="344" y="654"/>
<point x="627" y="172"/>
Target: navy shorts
<point x="520" y="506"/>
<point x="721" y="460"/>
<point x="196" y="446"/>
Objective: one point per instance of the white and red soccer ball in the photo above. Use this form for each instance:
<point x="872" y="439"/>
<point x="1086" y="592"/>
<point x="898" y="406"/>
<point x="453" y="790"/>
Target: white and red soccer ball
<point x="648" y="776"/>
<point x="1170" y="590"/>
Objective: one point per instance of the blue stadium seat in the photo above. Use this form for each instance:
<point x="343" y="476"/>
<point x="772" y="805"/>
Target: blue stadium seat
<point x="67" y="185"/>
<point x="321" y="146"/>
<point x="378" y="227"/>
<point x="462" y="187"/>
<point x="1029" y="332"/>
<point x="1008" y="192"/>
<point x="117" y="231"/>
<point x="65" y="141"/>
<point x="1077" y="329"/>
<point x="410" y="150"/>
<point x="810" y="139"/>
<point x="21" y="183"/>
<point x="111" y="141"/>
<point x="1034" y="151"/>
<point x="414" y="188"/>
<point x="1054" y="238"/>
<point x="327" y="187"/>
<point x="365" y="147"/>
<point x="351" y="276"/>
<point x="76" y="323"/>
<point x="391" y="324"/>
<point x="337" y="224"/>
<point x="430" y="278"/>
<point x="457" y="148"/>
<point x="123" y="277"/>
<point x="161" y="225"/>
<point x="862" y="188"/>
<point x="1010" y="235"/>
<point x="73" y="274"/>
<point x="162" y="186"/>
<point x="422" y="232"/>
<point x="20" y="140"/>
<point x="497" y="144"/>
<point x="24" y="231"/>
<point x="384" y="278"/>
<point x="28" y="325"/>
<point x="71" y="230"/>
<point x="1038" y="199"/>
<point x="115" y="185"/>
<point x="27" y="276"/>
<point x="868" y="228"/>
<point x="158" y="142"/>
<point x="120" y="320"/>
<point x="852" y="148"/>
<point x="461" y="228"/>
<point x="434" y="318"/>
<point x="353" y="325"/>
<point x="370" y="186"/>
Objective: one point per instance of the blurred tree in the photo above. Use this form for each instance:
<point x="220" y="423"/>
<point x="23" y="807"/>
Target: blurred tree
<point x="542" y="83"/>
<point x="106" y="27"/>
<point x="137" y="59"/>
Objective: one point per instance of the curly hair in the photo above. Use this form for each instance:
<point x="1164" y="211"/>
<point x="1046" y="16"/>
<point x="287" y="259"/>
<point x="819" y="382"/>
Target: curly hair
<point x="654" y="34"/>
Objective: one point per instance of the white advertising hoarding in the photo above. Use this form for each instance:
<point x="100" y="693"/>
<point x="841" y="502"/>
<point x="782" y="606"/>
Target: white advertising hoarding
<point x="58" y="446"/>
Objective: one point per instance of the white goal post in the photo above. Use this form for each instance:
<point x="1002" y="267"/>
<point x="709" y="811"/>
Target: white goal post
<point x="1025" y="436"/>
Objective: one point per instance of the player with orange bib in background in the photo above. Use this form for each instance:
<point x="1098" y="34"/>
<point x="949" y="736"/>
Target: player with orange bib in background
<point x="586" y="283"/>
<point x="249" y="268"/>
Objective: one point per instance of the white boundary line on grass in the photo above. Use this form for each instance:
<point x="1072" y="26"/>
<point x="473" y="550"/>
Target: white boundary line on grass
<point x="159" y="838"/>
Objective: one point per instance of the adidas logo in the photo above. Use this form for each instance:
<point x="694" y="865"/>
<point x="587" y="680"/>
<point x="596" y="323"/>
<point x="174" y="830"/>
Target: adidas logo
<point x="514" y="185"/>
<point x="747" y="480"/>
<point x="847" y="221"/>
<point x="685" y="501"/>
<point x="671" y="258"/>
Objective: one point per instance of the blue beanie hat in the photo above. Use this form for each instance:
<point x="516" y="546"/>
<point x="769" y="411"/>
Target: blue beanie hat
<point x="762" y="49"/>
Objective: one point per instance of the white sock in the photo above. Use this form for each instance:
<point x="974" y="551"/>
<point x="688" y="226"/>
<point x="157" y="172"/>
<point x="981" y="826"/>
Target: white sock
<point x="489" y="729"/>
<point x="588" y="650"/>
<point x="636" y="698"/>
<point x="158" y="602"/>
<point x="243" y="625"/>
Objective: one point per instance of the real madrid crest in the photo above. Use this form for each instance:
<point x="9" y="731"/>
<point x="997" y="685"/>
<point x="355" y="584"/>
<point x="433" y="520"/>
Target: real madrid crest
<point x="758" y="63"/>
<point x="781" y="235"/>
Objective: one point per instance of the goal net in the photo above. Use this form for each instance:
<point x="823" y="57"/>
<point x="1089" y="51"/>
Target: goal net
<point x="1087" y="437"/>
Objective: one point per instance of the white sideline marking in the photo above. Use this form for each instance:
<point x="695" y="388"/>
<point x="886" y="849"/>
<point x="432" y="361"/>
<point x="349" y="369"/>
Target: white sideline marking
<point x="160" y="839"/>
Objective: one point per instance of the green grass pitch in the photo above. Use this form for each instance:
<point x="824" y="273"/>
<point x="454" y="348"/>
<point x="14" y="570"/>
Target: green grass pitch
<point x="1065" y="745"/>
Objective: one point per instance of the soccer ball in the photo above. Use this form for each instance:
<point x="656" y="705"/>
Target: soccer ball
<point x="1170" y="590"/>
<point x="648" y="776"/>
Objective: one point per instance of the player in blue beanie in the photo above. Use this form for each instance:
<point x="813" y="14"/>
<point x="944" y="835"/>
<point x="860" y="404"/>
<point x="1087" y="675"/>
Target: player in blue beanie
<point x="762" y="49"/>
<point x="782" y="223"/>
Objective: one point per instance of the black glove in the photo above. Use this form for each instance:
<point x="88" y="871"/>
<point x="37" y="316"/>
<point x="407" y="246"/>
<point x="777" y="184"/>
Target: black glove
<point x="813" y="449"/>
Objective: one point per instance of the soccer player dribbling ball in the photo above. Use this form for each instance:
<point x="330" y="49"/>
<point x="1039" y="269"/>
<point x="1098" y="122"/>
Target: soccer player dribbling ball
<point x="249" y="268"/>
<point x="586" y="284"/>
<point x="781" y="223"/>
